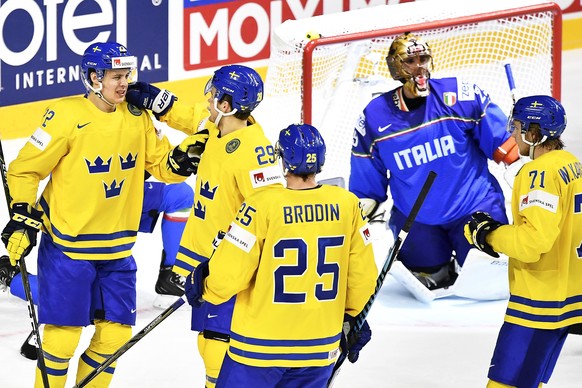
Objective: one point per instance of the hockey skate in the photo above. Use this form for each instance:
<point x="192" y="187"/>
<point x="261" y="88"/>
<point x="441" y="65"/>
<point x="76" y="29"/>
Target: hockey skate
<point x="169" y="287"/>
<point x="426" y="287"/>
<point x="7" y="272"/>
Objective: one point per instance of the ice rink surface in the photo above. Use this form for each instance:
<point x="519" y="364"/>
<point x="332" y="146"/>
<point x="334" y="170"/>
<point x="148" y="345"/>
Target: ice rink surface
<point x="447" y="344"/>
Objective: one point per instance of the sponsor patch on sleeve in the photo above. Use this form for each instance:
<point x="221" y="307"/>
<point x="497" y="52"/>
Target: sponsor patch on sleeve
<point x="240" y="237"/>
<point x="40" y="139"/>
<point x="266" y="176"/>
<point x="465" y="90"/>
<point x="365" y="233"/>
<point x="541" y="199"/>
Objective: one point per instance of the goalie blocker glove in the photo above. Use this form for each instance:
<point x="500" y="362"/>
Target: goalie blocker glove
<point x="477" y="229"/>
<point x="146" y="96"/>
<point x="19" y="235"/>
<point x="184" y="158"/>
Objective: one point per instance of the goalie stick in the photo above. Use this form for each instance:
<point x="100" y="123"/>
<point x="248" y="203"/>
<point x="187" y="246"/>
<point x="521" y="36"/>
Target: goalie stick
<point x="390" y="258"/>
<point x="25" y="282"/>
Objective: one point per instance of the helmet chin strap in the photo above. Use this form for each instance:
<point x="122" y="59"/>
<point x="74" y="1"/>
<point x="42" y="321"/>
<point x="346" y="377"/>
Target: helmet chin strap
<point x="532" y="145"/>
<point x="97" y="92"/>
<point x="221" y="113"/>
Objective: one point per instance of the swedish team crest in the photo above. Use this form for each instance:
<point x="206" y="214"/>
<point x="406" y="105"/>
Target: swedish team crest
<point x="134" y="110"/>
<point x="232" y="145"/>
<point x="450" y="98"/>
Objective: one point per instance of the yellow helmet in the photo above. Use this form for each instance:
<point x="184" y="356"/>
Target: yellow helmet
<point x="405" y="46"/>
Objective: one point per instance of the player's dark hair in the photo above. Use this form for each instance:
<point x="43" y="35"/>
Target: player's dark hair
<point x="239" y="115"/>
<point x="550" y="144"/>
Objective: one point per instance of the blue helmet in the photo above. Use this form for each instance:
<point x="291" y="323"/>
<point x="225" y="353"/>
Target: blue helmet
<point x="107" y="56"/>
<point x="302" y="149"/>
<point x="545" y="111"/>
<point x="242" y="83"/>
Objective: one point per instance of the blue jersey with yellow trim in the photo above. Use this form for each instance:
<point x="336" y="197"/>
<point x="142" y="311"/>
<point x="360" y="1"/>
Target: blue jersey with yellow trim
<point x="453" y="133"/>
<point x="544" y="244"/>
<point x="96" y="160"/>
<point x="297" y="261"/>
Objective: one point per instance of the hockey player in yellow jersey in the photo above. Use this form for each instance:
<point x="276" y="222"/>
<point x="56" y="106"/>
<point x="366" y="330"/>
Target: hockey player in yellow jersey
<point x="544" y="245"/>
<point x="95" y="149"/>
<point x="300" y="262"/>
<point x="238" y="160"/>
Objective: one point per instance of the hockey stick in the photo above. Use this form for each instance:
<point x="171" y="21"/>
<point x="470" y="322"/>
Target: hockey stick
<point x="510" y="81"/>
<point x="25" y="282"/>
<point x="390" y="258"/>
<point x="129" y="344"/>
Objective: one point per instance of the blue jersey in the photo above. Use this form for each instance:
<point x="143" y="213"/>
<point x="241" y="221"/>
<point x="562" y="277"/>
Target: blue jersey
<point x="454" y="133"/>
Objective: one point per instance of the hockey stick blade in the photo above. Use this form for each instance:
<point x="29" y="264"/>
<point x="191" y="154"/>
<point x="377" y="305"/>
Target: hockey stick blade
<point x="390" y="258"/>
<point x="29" y="350"/>
<point x="132" y="341"/>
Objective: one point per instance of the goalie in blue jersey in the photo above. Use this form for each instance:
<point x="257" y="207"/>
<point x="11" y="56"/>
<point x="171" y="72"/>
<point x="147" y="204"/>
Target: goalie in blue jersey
<point x="447" y="125"/>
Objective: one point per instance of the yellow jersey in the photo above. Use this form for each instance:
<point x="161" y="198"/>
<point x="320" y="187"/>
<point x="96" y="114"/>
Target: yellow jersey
<point x="96" y="160"/>
<point x="544" y="244"/>
<point x="297" y="260"/>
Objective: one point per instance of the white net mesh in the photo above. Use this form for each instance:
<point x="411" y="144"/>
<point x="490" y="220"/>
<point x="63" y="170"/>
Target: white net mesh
<point x="345" y="76"/>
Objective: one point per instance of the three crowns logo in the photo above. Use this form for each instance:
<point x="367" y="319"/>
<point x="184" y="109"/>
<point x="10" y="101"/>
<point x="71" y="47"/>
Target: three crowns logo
<point x="114" y="190"/>
<point x="128" y="162"/>
<point x="98" y="166"/>
<point x="206" y="191"/>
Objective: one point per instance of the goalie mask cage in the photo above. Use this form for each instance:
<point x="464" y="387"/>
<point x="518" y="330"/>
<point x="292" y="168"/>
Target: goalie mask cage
<point x="328" y="81"/>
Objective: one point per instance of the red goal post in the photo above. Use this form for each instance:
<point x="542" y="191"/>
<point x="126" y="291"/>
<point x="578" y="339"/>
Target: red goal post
<point x="328" y="81"/>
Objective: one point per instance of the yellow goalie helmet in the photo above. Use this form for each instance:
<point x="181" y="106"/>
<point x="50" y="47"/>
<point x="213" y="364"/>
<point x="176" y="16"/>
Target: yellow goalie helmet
<point x="410" y="62"/>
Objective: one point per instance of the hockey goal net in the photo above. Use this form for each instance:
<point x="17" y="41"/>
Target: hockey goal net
<point x="328" y="81"/>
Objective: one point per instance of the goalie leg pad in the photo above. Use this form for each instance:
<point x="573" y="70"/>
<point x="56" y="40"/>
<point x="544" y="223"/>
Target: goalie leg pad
<point x="483" y="277"/>
<point x="415" y="287"/>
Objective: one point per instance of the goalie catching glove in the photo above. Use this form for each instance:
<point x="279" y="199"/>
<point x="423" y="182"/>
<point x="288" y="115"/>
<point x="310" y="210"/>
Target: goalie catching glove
<point x="19" y="235"/>
<point x="477" y="229"/>
<point x="184" y="158"/>
<point x="146" y="96"/>
<point x="353" y="341"/>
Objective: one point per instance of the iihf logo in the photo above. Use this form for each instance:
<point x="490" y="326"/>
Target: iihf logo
<point x="129" y="162"/>
<point x="98" y="166"/>
<point x="113" y="190"/>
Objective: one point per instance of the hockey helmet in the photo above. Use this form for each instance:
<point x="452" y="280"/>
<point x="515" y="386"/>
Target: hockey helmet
<point x="242" y="83"/>
<point x="404" y="47"/>
<point x="545" y="111"/>
<point x="302" y="149"/>
<point x="103" y="56"/>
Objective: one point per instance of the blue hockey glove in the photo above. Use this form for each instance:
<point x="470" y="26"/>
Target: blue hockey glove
<point x="354" y="341"/>
<point x="195" y="284"/>
<point x="19" y="235"/>
<point x="146" y="96"/>
<point x="477" y="229"/>
<point x="184" y="158"/>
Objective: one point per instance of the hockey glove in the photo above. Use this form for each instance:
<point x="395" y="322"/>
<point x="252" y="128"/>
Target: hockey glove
<point x="354" y="341"/>
<point x="19" y="235"/>
<point x="195" y="284"/>
<point x="184" y="158"/>
<point x="146" y="96"/>
<point x="477" y="229"/>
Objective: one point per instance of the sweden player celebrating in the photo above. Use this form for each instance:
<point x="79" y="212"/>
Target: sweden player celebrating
<point x="297" y="259"/>
<point x="95" y="149"/>
<point x="543" y="245"/>
<point x="238" y="160"/>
